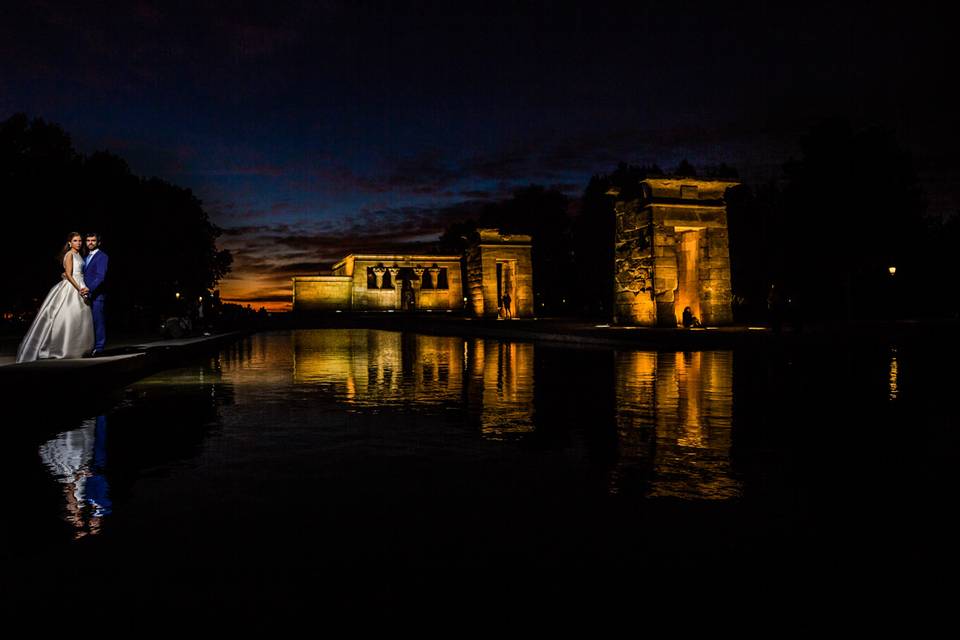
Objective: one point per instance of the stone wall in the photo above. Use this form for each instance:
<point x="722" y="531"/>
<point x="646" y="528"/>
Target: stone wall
<point x="634" y="266"/>
<point x="321" y="293"/>
<point x="348" y="288"/>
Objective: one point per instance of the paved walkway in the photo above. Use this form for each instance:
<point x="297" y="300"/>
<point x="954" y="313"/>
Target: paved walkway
<point x="122" y="362"/>
<point x="115" y="348"/>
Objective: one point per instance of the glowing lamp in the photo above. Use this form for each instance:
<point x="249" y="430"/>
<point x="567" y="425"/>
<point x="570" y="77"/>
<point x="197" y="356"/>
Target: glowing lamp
<point x="177" y="294"/>
<point x="892" y="270"/>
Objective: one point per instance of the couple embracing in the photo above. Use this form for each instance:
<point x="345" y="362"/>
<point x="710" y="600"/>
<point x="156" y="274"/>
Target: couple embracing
<point x="70" y="323"/>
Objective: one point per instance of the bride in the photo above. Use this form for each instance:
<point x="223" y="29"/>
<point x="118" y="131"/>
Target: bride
<point x="63" y="327"/>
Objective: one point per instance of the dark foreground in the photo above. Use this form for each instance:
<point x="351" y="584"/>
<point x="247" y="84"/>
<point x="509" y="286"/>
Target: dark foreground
<point x="373" y="473"/>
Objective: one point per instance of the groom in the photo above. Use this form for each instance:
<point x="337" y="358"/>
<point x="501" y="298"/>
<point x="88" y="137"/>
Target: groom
<point x="94" y="274"/>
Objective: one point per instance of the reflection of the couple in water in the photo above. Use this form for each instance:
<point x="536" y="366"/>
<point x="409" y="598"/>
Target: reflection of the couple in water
<point x="97" y="465"/>
<point x="77" y="459"/>
<point x="660" y="422"/>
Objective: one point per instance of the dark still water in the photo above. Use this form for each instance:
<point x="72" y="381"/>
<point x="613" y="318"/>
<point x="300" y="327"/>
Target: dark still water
<point x="359" y="468"/>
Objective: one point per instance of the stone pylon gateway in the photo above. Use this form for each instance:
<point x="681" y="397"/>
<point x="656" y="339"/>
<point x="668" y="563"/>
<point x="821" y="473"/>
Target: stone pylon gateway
<point x="498" y="265"/>
<point x="672" y="252"/>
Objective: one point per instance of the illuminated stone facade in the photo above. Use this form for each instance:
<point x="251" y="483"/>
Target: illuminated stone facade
<point x="499" y="265"/>
<point x="375" y="282"/>
<point x="672" y="252"/>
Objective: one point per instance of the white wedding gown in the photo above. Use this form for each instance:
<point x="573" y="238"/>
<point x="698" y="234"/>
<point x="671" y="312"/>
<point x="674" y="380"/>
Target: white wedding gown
<point x="63" y="327"/>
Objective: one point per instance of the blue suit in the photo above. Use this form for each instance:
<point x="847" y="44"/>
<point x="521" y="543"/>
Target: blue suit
<point x="94" y="275"/>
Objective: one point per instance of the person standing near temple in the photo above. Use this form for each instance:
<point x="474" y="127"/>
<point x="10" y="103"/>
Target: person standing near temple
<point x="506" y="306"/>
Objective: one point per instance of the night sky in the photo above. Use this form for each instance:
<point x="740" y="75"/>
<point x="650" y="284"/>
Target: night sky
<point x="314" y="129"/>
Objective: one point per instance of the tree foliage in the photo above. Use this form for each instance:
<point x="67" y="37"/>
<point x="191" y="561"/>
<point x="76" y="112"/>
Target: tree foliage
<point x="159" y="238"/>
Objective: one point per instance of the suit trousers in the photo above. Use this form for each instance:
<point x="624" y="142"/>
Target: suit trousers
<point x="99" y="323"/>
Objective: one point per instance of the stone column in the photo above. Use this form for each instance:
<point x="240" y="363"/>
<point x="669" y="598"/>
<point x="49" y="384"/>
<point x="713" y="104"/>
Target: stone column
<point x="394" y="274"/>
<point x="665" y="280"/>
<point x="715" y="293"/>
<point x="397" y="287"/>
<point x="378" y="274"/>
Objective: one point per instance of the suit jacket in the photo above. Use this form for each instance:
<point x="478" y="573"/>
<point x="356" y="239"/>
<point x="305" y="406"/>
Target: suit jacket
<point x="95" y="274"/>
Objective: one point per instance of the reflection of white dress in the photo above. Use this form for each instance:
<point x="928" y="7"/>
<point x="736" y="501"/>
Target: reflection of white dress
<point x="63" y="327"/>
<point x="68" y="455"/>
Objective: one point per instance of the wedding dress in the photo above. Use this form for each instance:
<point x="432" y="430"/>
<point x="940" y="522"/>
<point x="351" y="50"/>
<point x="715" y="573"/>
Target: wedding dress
<point x="63" y="327"/>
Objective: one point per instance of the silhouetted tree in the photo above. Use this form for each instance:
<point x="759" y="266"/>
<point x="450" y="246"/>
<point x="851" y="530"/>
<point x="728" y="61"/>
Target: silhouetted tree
<point x="852" y="208"/>
<point x="685" y="169"/>
<point x="593" y="237"/>
<point x="756" y="225"/>
<point x="158" y="235"/>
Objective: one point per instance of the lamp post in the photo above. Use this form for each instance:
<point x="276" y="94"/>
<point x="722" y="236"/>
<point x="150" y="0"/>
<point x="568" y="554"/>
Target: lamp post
<point x="892" y="270"/>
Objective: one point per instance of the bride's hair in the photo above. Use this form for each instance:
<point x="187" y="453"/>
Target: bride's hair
<point x="66" y="246"/>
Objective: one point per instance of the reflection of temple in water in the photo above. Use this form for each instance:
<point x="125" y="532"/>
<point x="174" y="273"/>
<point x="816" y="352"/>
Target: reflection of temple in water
<point x="371" y="368"/>
<point x="674" y="412"/>
<point x="500" y="386"/>
<point x="375" y="368"/>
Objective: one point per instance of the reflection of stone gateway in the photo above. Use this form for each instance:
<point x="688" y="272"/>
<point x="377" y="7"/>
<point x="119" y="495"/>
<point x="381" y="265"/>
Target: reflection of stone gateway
<point x="675" y="410"/>
<point x="671" y="252"/>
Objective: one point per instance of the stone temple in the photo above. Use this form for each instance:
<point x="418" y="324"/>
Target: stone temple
<point x="672" y="252"/>
<point x="498" y="268"/>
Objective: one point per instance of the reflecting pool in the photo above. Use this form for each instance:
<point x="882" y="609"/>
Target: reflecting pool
<point x="352" y="461"/>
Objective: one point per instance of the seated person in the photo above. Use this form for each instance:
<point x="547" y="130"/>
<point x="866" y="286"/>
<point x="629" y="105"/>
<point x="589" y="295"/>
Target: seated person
<point x="689" y="320"/>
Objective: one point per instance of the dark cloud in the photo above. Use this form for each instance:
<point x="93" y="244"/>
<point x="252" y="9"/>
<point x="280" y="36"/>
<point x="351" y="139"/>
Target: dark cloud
<point x="253" y="230"/>
<point x="294" y="268"/>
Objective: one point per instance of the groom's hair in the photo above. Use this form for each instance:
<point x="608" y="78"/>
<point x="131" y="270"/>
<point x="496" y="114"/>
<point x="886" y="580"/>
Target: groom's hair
<point x="92" y="233"/>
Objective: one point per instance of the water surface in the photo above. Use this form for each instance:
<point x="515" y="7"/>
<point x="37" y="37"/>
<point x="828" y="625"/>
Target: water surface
<point x="333" y="456"/>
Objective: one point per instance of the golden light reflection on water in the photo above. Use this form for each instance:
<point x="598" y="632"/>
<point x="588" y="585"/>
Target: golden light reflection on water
<point x="672" y="416"/>
<point x="501" y="384"/>
<point x="384" y="368"/>
<point x="674" y="412"/>
<point x="894" y="388"/>
<point x="367" y="368"/>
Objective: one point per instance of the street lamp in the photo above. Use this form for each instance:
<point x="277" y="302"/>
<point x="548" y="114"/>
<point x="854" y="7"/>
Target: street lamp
<point x="892" y="270"/>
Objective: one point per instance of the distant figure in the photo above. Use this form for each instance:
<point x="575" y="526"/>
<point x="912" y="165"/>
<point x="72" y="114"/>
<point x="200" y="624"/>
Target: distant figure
<point x="506" y="306"/>
<point x="689" y="320"/>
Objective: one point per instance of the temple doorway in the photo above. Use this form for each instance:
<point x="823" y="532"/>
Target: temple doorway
<point x="408" y="299"/>
<point x="688" y="274"/>
<point x="506" y="288"/>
